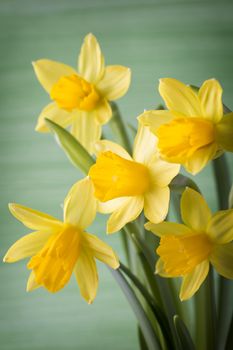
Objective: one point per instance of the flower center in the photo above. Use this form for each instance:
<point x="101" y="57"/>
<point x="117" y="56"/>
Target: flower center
<point x="179" y="139"/>
<point x="54" y="263"/>
<point x="181" y="254"/>
<point x="114" y="176"/>
<point x="74" y="92"/>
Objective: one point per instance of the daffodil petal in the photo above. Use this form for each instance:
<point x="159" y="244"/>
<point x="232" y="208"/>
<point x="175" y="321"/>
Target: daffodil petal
<point x="49" y="72"/>
<point x="159" y="269"/>
<point x="34" y="219"/>
<point x="156" y="204"/>
<point x="54" y="113"/>
<point x="86" y="275"/>
<point x="168" y="228"/>
<point x="101" y="250"/>
<point x="129" y="211"/>
<point x="222" y="259"/>
<point x="224" y="132"/>
<point x="115" y="82"/>
<point x="194" y="210"/>
<point x="154" y="119"/>
<point x="110" y="206"/>
<point x="105" y="145"/>
<point x="220" y="227"/>
<point x="86" y="129"/>
<point x="200" y="158"/>
<point x="144" y="145"/>
<point x="210" y="95"/>
<point x="26" y="246"/>
<point x="80" y="204"/>
<point x="162" y="172"/>
<point x="91" y="60"/>
<point x="192" y="281"/>
<point x="31" y="283"/>
<point x="179" y="97"/>
<point x="103" y="112"/>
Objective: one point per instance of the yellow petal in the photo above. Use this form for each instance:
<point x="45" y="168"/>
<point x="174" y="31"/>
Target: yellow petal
<point x="91" y="60"/>
<point x="34" y="219"/>
<point x="101" y="250"/>
<point x="179" y="97"/>
<point x="103" y="112"/>
<point x="224" y="132"/>
<point x="156" y="204"/>
<point x="144" y="145"/>
<point x="194" y="210"/>
<point x="129" y="211"/>
<point x="31" y="283"/>
<point x="154" y="119"/>
<point x="115" y="82"/>
<point x="210" y="95"/>
<point x="86" y="129"/>
<point x="80" y="204"/>
<point x="54" y="113"/>
<point x="26" y="246"/>
<point x="86" y="275"/>
<point x="159" y="269"/>
<point x="105" y="145"/>
<point x="220" y="227"/>
<point x="168" y="228"/>
<point x="162" y="172"/>
<point x="49" y="72"/>
<point x="222" y="259"/>
<point x="110" y="206"/>
<point x="192" y="281"/>
<point x="201" y="158"/>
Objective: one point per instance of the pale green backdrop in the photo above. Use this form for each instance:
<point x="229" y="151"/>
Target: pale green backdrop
<point x="188" y="40"/>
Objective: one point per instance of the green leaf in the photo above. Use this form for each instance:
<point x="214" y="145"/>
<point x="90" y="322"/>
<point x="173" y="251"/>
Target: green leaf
<point x="180" y="182"/>
<point x="144" y="323"/>
<point x="77" y="154"/>
<point x="118" y="127"/>
<point x="230" y="199"/>
<point x="142" y="342"/>
<point x="183" y="334"/>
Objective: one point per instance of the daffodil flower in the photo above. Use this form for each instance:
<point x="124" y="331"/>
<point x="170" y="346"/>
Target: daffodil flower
<point x="186" y="250"/>
<point x="81" y="97"/>
<point x="193" y="130"/>
<point x="57" y="249"/>
<point x="125" y="185"/>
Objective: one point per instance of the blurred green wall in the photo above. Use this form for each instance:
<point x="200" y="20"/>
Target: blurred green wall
<point x="185" y="39"/>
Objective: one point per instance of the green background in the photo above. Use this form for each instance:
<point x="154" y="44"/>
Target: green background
<point x="188" y="40"/>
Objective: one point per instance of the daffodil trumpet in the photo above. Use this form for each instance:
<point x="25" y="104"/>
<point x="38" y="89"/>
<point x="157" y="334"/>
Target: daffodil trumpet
<point x="194" y="129"/>
<point x="186" y="250"/>
<point x="126" y="185"/>
<point x="80" y="97"/>
<point x="57" y="249"/>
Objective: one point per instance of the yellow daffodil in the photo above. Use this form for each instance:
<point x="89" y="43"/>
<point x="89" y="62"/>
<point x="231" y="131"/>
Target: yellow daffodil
<point x="58" y="248"/>
<point x="193" y="130"/>
<point x="81" y="97"/>
<point x="186" y="250"/>
<point x="125" y="185"/>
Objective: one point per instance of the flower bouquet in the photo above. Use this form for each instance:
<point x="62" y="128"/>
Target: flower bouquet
<point x="177" y="278"/>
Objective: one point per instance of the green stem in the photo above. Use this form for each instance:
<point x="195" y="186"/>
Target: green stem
<point x="206" y="315"/>
<point x="225" y="309"/>
<point x="145" y="325"/>
<point x="158" y="313"/>
<point x="119" y="129"/>
<point x="222" y="180"/>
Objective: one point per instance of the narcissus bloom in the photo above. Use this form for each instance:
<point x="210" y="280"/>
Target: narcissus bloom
<point x="186" y="250"/>
<point x="81" y="97"/>
<point x="193" y="130"/>
<point x="125" y="185"/>
<point x="57" y="249"/>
